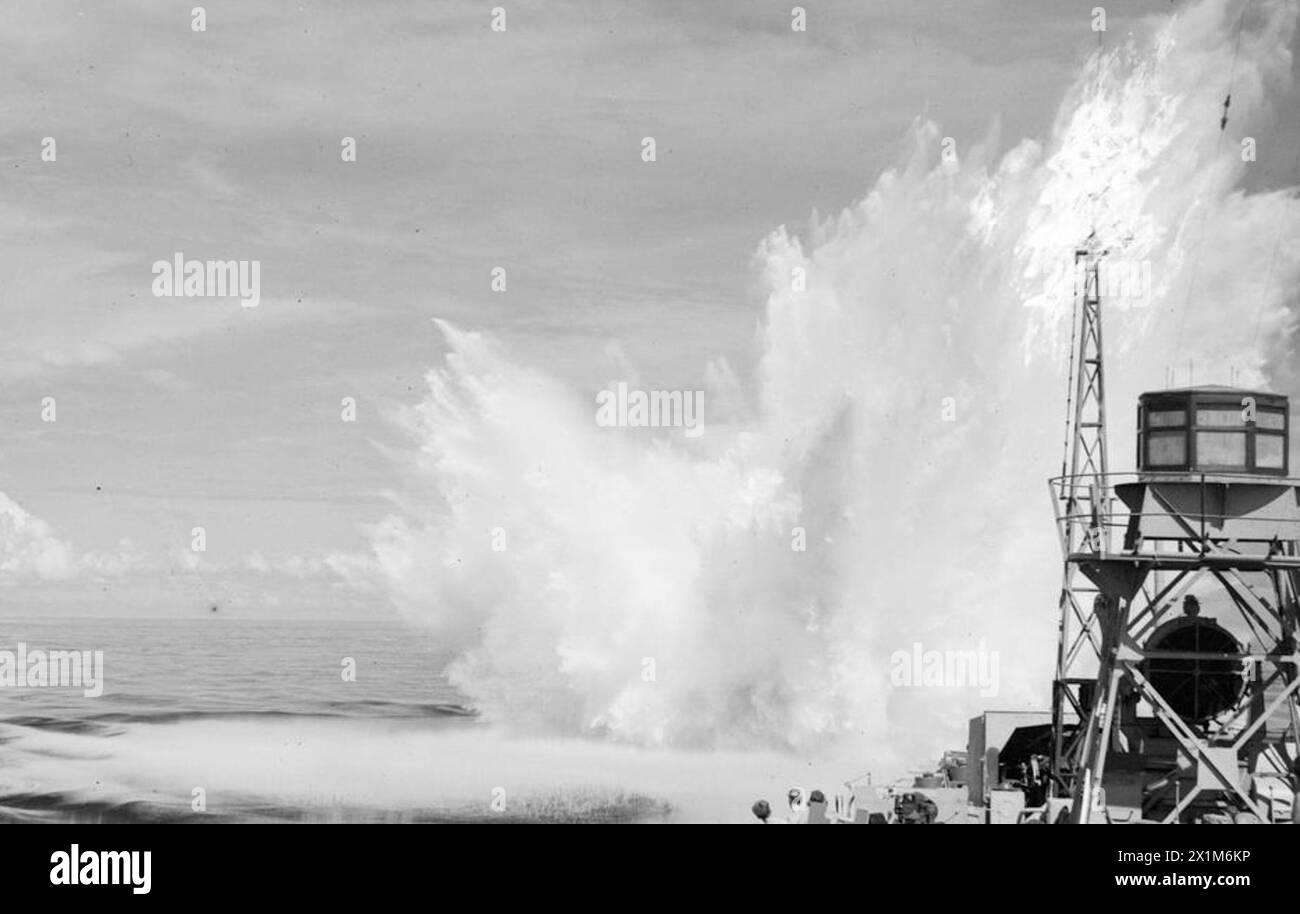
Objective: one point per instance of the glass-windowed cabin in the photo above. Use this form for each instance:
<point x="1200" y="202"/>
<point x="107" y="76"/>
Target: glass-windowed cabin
<point x="1214" y="430"/>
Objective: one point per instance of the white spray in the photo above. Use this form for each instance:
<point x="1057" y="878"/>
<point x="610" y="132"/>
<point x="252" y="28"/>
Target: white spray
<point x="907" y="411"/>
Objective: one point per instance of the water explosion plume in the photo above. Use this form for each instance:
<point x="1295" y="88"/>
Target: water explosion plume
<point x="907" y="408"/>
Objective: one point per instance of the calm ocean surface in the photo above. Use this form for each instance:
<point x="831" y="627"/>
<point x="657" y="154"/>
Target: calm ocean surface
<point x="172" y="669"/>
<point x="220" y="719"/>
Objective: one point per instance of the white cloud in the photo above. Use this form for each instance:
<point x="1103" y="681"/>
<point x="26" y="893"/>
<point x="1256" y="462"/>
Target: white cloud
<point x="30" y="549"/>
<point x="354" y="570"/>
<point x="188" y="560"/>
<point x="116" y="563"/>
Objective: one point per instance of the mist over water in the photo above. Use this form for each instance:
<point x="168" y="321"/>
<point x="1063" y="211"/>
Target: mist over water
<point x="906" y="411"/>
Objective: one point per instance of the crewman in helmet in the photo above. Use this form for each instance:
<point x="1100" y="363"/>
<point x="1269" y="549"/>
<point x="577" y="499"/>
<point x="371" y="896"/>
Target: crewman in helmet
<point x="798" y="806"/>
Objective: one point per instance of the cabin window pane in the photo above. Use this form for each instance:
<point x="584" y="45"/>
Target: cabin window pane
<point x="1221" y="449"/>
<point x="1270" y="418"/>
<point x="1166" y="449"/>
<point x="1220" y="418"/>
<point x="1166" y="417"/>
<point x="1270" y="452"/>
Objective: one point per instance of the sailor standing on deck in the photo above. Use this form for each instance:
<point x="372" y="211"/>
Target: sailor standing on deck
<point x="764" y="813"/>
<point x="798" y="810"/>
<point x="798" y="807"/>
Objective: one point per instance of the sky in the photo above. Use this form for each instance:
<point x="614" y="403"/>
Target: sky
<point x="476" y="149"/>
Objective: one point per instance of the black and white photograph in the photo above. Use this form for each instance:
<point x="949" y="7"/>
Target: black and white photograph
<point x="561" y="412"/>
